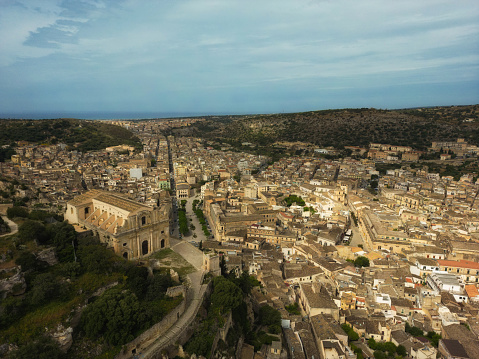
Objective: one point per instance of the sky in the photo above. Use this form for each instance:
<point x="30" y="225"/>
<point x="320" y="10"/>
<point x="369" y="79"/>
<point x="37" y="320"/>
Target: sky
<point x="235" y="56"/>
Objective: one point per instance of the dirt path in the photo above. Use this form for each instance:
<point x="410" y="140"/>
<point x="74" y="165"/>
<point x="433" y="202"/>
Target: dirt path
<point x="13" y="227"/>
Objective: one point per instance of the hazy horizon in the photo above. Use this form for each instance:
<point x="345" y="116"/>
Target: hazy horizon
<point x="138" y="115"/>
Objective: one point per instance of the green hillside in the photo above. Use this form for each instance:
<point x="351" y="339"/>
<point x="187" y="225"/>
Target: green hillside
<point x="348" y="127"/>
<point x="79" y="134"/>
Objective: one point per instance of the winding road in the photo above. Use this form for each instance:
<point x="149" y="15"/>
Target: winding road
<point x="194" y="299"/>
<point x="13" y="227"/>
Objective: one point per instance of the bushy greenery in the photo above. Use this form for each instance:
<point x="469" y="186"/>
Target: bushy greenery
<point x="115" y="316"/>
<point x="17" y="211"/>
<point x="294" y="199"/>
<point x="293" y="309"/>
<point x="246" y="282"/>
<point x="352" y="335"/>
<point x="361" y="262"/>
<point x="226" y="295"/>
<point x="183" y="221"/>
<point x="345" y="127"/>
<point x="55" y="292"/>
<point x="418" y="332"/>
<point x="33" y="230"/>
<point x="201" y="218"/>
<point x="434" y="338"/>
<point x="85" y="135"/>
<point x="270" y="317"/>
<point x="385" y="349"/>
<point x="42" y="348"/>
<point x="414" y="331"/>
<point x="4" y="227"/>
<point x="6" y="153"/>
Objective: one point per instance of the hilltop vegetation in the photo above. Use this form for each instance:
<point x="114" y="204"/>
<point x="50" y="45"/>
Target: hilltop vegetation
<point x="79" y="134"/>
<point x="348" y="127"/>
<point x="51" y="279"/>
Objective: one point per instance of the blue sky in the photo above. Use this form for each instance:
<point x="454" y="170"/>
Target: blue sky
<point x="236" y="56"/>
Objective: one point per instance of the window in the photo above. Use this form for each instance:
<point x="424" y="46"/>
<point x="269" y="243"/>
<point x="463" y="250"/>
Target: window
<point x="143" y="220"/>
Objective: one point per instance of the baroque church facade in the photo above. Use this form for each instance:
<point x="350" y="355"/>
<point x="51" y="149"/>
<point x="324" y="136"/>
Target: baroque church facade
<point x="132" y="229"/>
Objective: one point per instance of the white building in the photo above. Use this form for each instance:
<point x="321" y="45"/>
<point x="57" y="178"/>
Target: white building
<point x="136" y="173"/>
<point x="447" y="282"/>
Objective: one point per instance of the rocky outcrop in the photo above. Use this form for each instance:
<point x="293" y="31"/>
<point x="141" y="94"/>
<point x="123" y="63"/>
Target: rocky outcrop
<point x="48" y="255"/>
<point x="13" y="285"/>
<point x="64" y="337"/>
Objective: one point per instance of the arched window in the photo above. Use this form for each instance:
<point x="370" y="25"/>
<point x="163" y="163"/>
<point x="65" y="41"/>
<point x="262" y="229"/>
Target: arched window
<point x="144" y="247"/>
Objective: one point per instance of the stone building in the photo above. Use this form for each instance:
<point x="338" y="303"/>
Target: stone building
<point x="132" y="229"/>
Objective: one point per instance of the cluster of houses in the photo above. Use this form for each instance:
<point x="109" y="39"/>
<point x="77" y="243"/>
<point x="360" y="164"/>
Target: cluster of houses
<point x="297" y="225"/>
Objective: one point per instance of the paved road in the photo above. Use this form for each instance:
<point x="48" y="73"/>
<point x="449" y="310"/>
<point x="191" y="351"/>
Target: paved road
<point x="200" y="235"/>
<point x="356" y="237"/>
<point x="194" y="298"/>
<point x="13" y="227"/>
<point x="192" y="254"/>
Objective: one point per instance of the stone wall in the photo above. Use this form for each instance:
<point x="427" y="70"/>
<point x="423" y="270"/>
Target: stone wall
<point x="176" y="291"/>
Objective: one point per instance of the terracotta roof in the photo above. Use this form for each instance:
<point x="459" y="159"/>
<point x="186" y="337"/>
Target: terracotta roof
<point x="471" y="290"/>
<point x="458" y="264"/>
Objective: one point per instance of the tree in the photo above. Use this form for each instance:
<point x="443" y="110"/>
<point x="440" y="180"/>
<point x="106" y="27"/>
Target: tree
<point x="137" y="280"/>
<point x="246" y="282"/>
<point x="401" y="350"/>
<point x="434" y="338"/>
<point x="46" y="287"/>
<point x="270" y="317"/>
<point x="28" y="261"/>
<point x="414" y="331"/>
<point x="294" y="199"/>
<point x="390" y="347"/>
<point x="352" y="335"/>
<point x="65" y="241"/>
<point x="115" y="315"/>
<point x="293" y="309"/>
<point x="33" y="230"/>
<point x="70" y="269"/>
<point x="158" y="286"/>
<point x="361" y="262"/>
<point x="95" y="258"/>
<point x="226" y="295"/>
<point x="17" y="211"/>
<point x="379" y="354"/>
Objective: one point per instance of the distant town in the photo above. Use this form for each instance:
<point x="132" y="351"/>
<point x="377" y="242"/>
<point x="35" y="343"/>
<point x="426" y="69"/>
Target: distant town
<point x="366" y="255"/>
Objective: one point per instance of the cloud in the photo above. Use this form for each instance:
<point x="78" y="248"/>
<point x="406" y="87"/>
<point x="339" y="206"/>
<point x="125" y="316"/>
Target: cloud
<point x="180" y="47"/>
